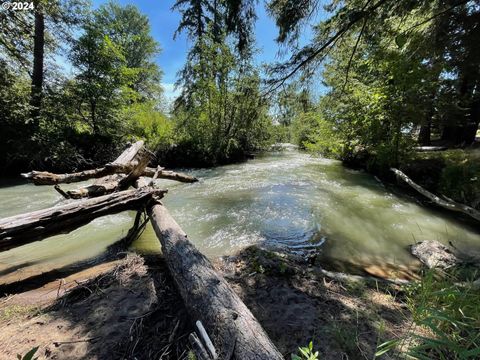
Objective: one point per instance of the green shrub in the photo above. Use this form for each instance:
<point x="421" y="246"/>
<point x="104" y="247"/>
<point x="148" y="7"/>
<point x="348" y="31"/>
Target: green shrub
<point x="449" y="311"/>
<point x="306" y="353"/>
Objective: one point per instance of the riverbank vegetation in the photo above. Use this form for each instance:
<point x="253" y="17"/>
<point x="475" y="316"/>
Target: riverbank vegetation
<point x="54" y="119"/>
<point x="402" y="77"/>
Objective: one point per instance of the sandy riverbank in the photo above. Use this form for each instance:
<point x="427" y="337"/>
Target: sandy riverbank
<point x="129" y="308"/>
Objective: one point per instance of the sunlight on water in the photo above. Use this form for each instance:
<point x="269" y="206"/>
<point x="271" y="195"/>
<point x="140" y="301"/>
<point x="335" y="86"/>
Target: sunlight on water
<point x="285" y="198"/>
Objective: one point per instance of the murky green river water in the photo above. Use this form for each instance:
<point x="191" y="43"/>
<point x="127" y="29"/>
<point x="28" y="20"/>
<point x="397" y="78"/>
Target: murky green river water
<point x="285" y="198"/>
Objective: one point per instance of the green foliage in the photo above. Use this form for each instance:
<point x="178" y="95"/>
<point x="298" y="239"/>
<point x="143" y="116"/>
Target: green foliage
<point x="129" y="30"/>
<point x="306" y="353"/>
<point x="460" y="176"/>
<point x="29" y="355"/>
<point x="101" y="85"/>
<point x="144" y="121"/>
<point x="280" y="134"/>
<point x="318" y="135"/>
<point x="448" y="309"/>
<point x="14" y="117"/>
<point x="61" y="18"/>
<point x="220" y="115"/>
<point x="395" y="74"/>
<point x="114" y="95"/>
<point x="387" y="346"/>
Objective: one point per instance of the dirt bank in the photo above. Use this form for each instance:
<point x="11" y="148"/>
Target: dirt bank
<point x="130" y="309"/>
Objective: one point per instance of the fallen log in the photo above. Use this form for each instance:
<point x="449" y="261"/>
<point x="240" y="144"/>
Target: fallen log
<point x="26" y="228"/>
<point x="126" y="163"/>
<point x="115" y="182"/>
<point x="129" y="154"/>
<point x="135" y="156"/>
<point x="447" y="204"/>
<point x="170" y="175"/>
<point x="48" y="178"/>
<point x="123" y="160"/>
<point x="430" y="148"/>
<point x="103" y="186"/>
<point x="207" y="296"/>
<point x="106" y="183"/>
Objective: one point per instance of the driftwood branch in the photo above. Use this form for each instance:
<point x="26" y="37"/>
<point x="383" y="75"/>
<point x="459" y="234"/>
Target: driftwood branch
<point x="48" y="178"/>
<point x="198" y="347"/>
<point x="208" y="297"/>
<point x="126" y="163"/>
<point x="26" y="228"/>
<point x="122" y="161"/>
<point x="155" y="176"/>
<point x="103" y="186"/>
<point x="206" y="339"/>
<point x="113" y="183"/>
<point x="447" y="204"/>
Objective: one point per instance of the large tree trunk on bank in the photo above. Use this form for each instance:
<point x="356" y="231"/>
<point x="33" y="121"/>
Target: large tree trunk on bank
<point x="38" y="54"/>
<point x="235" y="332"/>
<point x="26" y="228"/>
<point x="471" y="131"/>
<point x="424" y="136"/>
<point x="460" y="135"/>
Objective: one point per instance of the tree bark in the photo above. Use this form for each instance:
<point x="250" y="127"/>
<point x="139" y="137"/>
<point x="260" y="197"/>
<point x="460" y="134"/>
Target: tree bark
<point x="38" y="54"/>
<point x="135" y="157"/>
<point x="47" y="178"/>
<point x="102" y="186"/>
<point x="124" y="164"/>
<point x="26" y="228"/>
<point x="129" y="154"/>
<point x="424" y="136"/>
<point x="447" y="204"/>
<point x="234" y="330"/>
<point x="116" y="182"/>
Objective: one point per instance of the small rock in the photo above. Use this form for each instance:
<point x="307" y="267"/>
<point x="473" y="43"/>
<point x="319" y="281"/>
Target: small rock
<point x="434" y="255"/>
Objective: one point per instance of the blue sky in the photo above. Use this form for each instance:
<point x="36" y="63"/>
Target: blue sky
<point x="164" y="22"/>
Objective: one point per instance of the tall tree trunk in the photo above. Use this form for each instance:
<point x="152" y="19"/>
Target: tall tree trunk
<point x="38" y="53"/>
<point x="424" y="137"/>
<point x="465" y="132"/>
<point x="93" y="116"/>
<point x="471" y="129"/>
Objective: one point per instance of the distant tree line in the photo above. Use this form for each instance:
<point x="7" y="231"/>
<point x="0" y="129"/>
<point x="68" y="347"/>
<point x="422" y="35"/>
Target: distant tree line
<point x="394" y="74"/>
<point x="109" y="90"/>
<point x="397" y="74"/>
<point x="54" y="120"/>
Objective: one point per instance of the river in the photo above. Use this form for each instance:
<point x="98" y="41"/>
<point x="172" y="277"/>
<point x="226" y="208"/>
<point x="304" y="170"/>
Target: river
<point x="283" y="198"/>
